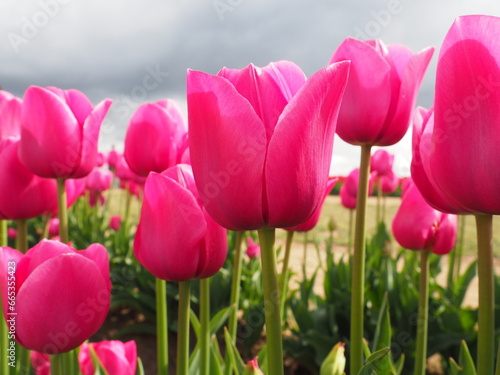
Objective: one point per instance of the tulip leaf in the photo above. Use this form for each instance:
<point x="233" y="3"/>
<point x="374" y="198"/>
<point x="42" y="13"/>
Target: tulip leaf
<point x="366" y="349"/>
<point x="398" y="366"/>
<point x="465" y="359"/>
<point x="215" y="358"/>
<point x="219" y="318"/>
<point x="462" y="284"/>
<point x="234" y="356"/>
<point x="371" y="362"/>
<point x="262" y="355"/>
<point x="383" y="335"/>
<point x="195" y="323"/>
<point x="454" y="367"/>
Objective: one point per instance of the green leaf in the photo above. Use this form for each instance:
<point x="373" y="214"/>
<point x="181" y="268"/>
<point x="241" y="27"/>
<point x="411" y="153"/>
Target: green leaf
<point x="195" y="323"/>
<point x="234" y="356"/>
<point x="383" y="335"/>
<point x="462" y="284"/>
<point x="371" y="363"/>
<point x="140" y="367"/>
<point x="219" y="318"/>
<point x="398" y="367"/>
<point x="465" y="359"/>
<point x="454" y="367"/>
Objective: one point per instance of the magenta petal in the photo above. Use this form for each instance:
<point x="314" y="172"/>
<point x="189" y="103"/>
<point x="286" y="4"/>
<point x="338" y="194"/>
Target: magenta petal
<point x="466" y="136"/>
<point x="10" y="115"/>
<point x="300" y="151"/>
<point x="215" y="249"/>
<point x="55" y="316"/>
<point x="446" y="235"/>
<point x="45" y="121"/>
<point x="226" y="136"/>
<point x="289" y="77"/>
<point x="397" y="123"/>
<point x="171" y="221"/>
<point x="90" y="139"/>
<point x="99" y="255"/>
<point x="79" y="104"/>
<point x="367" y="97"/>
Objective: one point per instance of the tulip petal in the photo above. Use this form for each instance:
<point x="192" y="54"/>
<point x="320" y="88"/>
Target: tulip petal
<point x="10" y="115"/>
<point x="446" y="235"/>
<point x="289" y="77"/>
<point x="300" y="151"/>
<point x="467" y="114"/>
<point x="171" y="219"/>
<point x="99" y="255"/>
<point x="226" y="136"/>
<point x="399" y="118"/>
<point x="90" y="139"/>
<point x="76" y="310"/>
<point x="45" y="121"/>
<point x="367" y="97"/>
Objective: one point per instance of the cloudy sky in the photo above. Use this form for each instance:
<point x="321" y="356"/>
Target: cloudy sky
<point x="138" y="50"/>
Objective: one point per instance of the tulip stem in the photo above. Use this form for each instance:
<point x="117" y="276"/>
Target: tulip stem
<point x="57" y="364"/>
<point x="460" y="247"/>
<point x="497" y="371"/>
<point x="306" y="240"/>
<point x="423" y="315"/>
<point x="183" y="328"/>
<point x="3" y="233"/>
<point x="351" y="225"/>
<point x="62" y="202"/>
<point x="486" y="321"/>
<point x="46" y="225"/>
<point x="205" y="326"/>
<point x="284" y="273"/>
<point x="162" y="326"/>
<point x="358" y="272"/>
<point x="379" y="202"/>
<point x="271" y="302"/>
<point x="22" y="236"/>
<point x="4" y="342"/>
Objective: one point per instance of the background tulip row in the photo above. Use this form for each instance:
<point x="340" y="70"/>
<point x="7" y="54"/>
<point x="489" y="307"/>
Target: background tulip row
<point x="169" y="242"/>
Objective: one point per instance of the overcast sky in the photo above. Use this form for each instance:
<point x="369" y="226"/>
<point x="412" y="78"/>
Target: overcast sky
<point x="138" y="50"/>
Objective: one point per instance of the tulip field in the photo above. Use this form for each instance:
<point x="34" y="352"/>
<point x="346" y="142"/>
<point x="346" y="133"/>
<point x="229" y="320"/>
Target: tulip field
<point x="217" y="243"/>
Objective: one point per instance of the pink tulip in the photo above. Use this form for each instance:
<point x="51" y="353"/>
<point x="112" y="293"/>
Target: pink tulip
<point x="253" y="250"/>
<point x="75" y="188"/>
<point x="115" y="222"/>
<point x="176" y="239"/>
<point x="117" y="358"/>
<point x="54" y="227"/>
<point x="423" y="127"/>
<point x="261" y="141"/>
<point x="101" y="159"/>
<point x="12" y="233"/>
<point x="59" y="132"/>
<point x="381" y="92"/>
<point x="112" y="158"/>
<point x="313" y="220"/>
<point x="10" y="115"/>
<point x="62" y="295"/>
<point x="349" y="189"/>
<point x="23" y="195"/>
<point x="40" y="363"/>
<point x="158" y="128"/>
<point x="124" y="173"/>
<point x="252" y="368"/>
<point x="418" y="226"/>
<point x="99" y="179"/>
<point x="389" y="182"/>
<point x="381" y="162"/>
<point x="464" y="147"/>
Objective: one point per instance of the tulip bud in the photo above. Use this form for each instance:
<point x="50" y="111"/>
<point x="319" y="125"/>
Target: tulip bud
<point x="252" y="368"/>
<point x="334" y="363"/>
<point x="253" y="250"/>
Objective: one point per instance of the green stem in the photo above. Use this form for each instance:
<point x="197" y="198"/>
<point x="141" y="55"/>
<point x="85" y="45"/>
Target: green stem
<point x="284" y="273"/>
<point x="271" y="302"/>
<point x="46" y="225"/>
<point x="497" y="372"/>
<point x="127" y="207"/>
<point x="235" y="294"/>
<point x="486" y="334"/>
<point x="205" y="326"/>
<point x="3" y="233"/>
<point x="423" y="315"/>
<point x="63" y="210"/>
<point x="358" y="274"/>
<point x="304" y="261"/>
<point x="351" y="225"/>
<point x="183" y="328"/>
<point x="460" y="247"/>
<point x="162" y="326"/>
<point x="57" y="364"/>
<point x="451" y="267"/>
<point x="22" y="236"/>
<point x="379" y="202"/>
<point x="384" y="205"/>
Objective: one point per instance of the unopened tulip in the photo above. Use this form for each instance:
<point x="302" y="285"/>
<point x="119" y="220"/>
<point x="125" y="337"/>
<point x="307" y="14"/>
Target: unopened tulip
<point x="53" y="227"/>
<point x="349" y="189"/>
<point x="381" y="162"/>
<point x="60" y="132"/>
<point x="112" y="158"/>
<point x="252" y="368"/>
<point x="62" y="295"/>
<point x="418" y="226"/>
<point x="253" y="249"/>
<point x="115" y="222"/>
<point x="124" y="173"/>
<point x="313" y="220"/>
<point x="10" y="115"/>
<point x="381" y="92"/>
<point x="40" y="363"/>
<point x="176" y="239"/>
<point x="261" y="141"/>
<point x="12" y="233"/>
<point x="117" y="357"/>
<point x="23" y="195"/>
<point x="154" y="139"/>
<point x="388" y="182"/>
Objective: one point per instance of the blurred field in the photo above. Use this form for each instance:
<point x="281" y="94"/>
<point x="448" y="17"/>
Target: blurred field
<point x="333" y="210"/>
